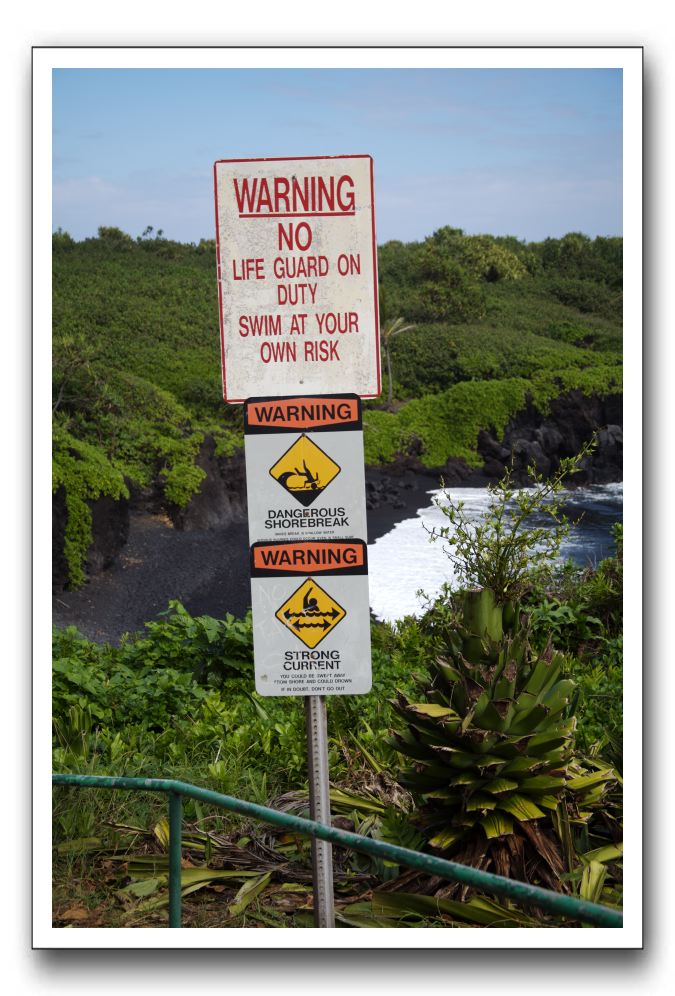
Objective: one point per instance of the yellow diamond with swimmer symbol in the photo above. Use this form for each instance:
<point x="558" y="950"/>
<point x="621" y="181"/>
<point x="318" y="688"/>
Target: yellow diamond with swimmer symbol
<point x="305" y="470"/>
<point x="310" y="613"/>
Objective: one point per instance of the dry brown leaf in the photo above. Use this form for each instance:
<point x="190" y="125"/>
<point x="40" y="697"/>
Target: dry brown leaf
<point x="75" y="913"/>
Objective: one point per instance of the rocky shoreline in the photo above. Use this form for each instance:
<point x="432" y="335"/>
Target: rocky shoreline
<point x="145" y="552"/>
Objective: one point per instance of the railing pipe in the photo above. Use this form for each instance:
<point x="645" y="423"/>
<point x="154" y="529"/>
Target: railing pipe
<point x="175" y="821"/>
<point x="522" y="892"/>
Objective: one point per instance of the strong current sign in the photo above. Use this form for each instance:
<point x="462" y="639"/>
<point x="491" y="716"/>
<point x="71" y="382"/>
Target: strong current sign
<point x="311" y="620"/>
<point x="297" y="276"/>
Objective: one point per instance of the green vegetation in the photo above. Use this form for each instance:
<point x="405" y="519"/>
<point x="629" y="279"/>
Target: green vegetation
<point x="493" y="731"/>
<point x="136" y="371"/>
<point x="490" y="734"/>
<point x="506" y="711"/>
<point x="179" y="694"/>
<point x="439" y="426"/>
<point x="503" y="553"/>
<point x="84" y="472"/>
<point x="529" y="321"/>
<point x="136" y="383"/>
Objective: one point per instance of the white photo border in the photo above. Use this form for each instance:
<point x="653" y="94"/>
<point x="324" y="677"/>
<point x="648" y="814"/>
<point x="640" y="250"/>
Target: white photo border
<point x="630" y="61"/>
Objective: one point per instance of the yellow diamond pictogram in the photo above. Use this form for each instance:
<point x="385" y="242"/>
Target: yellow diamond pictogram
<point x="304" y="470"/>
<point x="310" y="613"/>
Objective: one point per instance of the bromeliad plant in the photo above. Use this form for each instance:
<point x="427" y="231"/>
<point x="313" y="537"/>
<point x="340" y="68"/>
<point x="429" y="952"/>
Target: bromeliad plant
<point x="492" y="748"/>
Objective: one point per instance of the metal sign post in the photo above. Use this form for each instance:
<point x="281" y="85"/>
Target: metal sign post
<point x="319" y="808"/>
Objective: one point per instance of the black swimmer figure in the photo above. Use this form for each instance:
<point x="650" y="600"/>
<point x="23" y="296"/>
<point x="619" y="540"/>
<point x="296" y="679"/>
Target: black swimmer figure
<point x="310" y="606"/>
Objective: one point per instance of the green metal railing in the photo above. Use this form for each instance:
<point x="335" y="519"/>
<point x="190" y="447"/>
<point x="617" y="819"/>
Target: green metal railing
<point x="553" y="902"/>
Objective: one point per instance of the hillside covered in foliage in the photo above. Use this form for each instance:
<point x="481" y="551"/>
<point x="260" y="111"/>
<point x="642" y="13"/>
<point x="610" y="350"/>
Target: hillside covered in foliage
<point x="493" y="732"/>
<point x="488" y="325"/>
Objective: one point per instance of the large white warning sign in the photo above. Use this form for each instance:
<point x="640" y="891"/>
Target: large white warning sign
<point x="304" y="468"/>
<point x="297" y="276"/>
<point x="311" y="620"/>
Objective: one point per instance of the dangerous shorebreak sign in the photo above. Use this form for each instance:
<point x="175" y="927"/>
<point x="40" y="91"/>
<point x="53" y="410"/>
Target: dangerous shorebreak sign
<point x="297" y="276"/>
<point x="311" y="619"/>
<point x="304" y="468"/>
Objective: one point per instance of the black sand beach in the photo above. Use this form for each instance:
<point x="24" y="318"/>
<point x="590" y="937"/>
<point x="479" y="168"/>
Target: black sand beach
<point x="205" y="569"/>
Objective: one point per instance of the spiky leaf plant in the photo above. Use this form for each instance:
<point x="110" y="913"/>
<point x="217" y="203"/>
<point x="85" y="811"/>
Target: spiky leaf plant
<point x="492" y="748"/>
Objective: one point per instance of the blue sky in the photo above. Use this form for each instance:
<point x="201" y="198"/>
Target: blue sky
<point x="530" y="153"/>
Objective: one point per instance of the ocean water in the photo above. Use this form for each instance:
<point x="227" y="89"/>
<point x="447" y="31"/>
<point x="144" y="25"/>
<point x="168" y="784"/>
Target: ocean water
<point x="404" y="560"/>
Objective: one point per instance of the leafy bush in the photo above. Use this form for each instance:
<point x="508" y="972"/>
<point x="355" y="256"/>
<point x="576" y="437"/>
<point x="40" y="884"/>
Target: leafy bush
<point x="99" y="680"/>
<point x="430" y="358"/>
<point x="575" y="256"/>
<point x="600" y="684"/>
<point x="583" y="612"/>
<point x="437" y="427"/>
<point x="504" y="552"/>
<point x="585" y="295"/>
<point x="62" y="240"/>
<point x="442" y="290"/>
<point x="180" y="696"/>
<point x="556" y="620"/>
<point x="85" y="473"/>
<point x="571" y="332"/>
<point x="585" y="607"/>
<point x="211" y="650"/>
<point x="481" y="255"/>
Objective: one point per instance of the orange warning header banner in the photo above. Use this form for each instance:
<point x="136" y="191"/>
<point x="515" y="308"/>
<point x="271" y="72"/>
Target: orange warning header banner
<point x="319" y="413"/>
<point x="309" y="557"/>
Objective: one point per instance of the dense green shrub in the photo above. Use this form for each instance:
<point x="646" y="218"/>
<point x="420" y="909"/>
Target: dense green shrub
<point x="441" y="290"/>
<point x="116" y="693"/>
<point x="433" y="357"/>
<point x="600" y="684"/>
<point x="440" y="426"/>
<point x="211" y="650"/>
<point x="576" y="256"/>
<point x="181" y="694"/>
<point x="582" y="612"/>
<point x="85" y="473"/>
<point x="480" y="255"/>
<point x="584" y="605"/>
<point x="586" y="295"/>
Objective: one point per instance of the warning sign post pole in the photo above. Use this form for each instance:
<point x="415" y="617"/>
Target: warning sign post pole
<point x="319" y="808"/>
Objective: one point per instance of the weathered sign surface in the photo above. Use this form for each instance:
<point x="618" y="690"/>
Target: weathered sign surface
<point x="297" y="276"/>
<point x="304" y="468"/>
<point x="311" y="619"/>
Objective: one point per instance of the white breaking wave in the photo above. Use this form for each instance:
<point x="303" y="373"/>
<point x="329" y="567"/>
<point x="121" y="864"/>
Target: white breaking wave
<point x="403" y="561"/>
